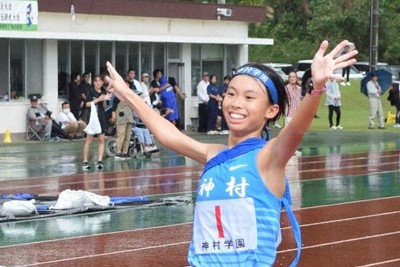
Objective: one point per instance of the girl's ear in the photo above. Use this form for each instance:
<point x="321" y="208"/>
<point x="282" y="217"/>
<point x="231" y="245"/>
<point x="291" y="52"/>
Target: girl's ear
<point x="271" y="112"/>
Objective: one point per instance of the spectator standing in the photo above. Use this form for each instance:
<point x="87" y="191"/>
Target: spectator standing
<point x="155" y="90"/>
<point x="67" y="120"/>
<point x="394" y="99"/>
<point x="98" y="95"/>
<point x="168" y="100"/>
<point x="212" y="105"/>
<point x="203" y="100"/>
<point x="293" y="90"/>
<point x="84" y="88"/>
<point x="133" y="83"/>
<point x="144" y="84"/>
<point x="123" y="117"/>
<point x="177" y="89"/>
<point x="333" y="102"/>
<point x="375" y="105"/>
<point x="346" y="70"/>
<point x="74" y="94"/>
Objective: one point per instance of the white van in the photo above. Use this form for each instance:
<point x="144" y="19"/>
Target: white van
<point x="282" y="69"/>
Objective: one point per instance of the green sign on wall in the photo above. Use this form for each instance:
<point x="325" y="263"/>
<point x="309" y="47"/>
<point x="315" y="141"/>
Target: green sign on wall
<point x="18" y="15"/>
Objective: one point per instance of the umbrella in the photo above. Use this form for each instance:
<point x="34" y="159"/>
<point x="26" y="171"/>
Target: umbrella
<point x="384" y="80"/>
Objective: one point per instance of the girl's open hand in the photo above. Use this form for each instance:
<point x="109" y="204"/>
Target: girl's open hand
<point x="323" y="66"/>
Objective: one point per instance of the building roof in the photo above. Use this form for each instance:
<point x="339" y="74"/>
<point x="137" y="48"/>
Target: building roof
<point x="159" y="8"/>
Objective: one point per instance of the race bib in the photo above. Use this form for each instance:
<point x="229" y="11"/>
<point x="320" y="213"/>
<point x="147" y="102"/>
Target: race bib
<point x="225" y="226"/>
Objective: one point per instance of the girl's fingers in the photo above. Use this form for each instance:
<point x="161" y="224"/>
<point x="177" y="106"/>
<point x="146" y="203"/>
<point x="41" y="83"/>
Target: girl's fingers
<point x="322" y="49"/>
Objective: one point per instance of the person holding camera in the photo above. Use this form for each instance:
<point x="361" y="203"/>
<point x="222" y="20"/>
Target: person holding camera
<point x="39" y="119"/>
<point x="123" y="118"/>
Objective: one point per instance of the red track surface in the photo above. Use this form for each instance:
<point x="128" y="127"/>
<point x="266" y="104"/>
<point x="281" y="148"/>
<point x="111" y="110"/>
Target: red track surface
<point x="364" y="233"/>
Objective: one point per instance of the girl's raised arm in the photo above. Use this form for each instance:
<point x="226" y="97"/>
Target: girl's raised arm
<point x="322" y="69"/>
<point x="164" y="131"/>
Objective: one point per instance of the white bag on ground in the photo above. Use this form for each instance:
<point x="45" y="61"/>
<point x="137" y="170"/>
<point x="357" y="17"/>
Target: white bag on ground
<point x="15" y="208"/>
<point x="71" y="199"/>
<point x="93" y="126"/>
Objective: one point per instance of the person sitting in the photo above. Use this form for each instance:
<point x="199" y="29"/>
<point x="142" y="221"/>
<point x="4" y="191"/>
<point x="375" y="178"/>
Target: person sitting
<point x="143" y="135"/>
<point x="71" y="126"/>
<point x="39" y="119"/>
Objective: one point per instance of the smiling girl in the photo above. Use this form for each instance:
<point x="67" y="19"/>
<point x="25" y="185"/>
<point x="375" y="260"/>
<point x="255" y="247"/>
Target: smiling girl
<point x="241" y="191"/>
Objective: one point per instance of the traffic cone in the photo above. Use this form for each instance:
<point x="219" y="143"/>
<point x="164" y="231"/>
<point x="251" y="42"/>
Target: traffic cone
<point x="7" y="137"/>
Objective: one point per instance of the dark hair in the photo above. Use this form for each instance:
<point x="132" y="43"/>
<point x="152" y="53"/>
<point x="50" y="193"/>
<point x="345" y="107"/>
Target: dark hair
<point x="155" y="72"/>
<point x="86" y="73"/>
<point x="280" y="87"/>
<point x="64" y="103"/>
<point x="97" y="76"/>
<point x="74" y="75"/>
<point x="212" y="76"/>
<point x="131" y="70"/>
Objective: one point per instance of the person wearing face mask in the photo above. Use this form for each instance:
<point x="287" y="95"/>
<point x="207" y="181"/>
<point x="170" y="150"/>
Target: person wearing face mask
<point x="74" y="128"/>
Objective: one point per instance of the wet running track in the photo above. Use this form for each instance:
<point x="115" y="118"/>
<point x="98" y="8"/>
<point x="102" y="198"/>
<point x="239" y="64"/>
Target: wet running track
<point x="345" y="188"/>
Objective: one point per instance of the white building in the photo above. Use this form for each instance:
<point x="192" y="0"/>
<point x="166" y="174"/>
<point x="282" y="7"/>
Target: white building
<point x="183" y="38"/>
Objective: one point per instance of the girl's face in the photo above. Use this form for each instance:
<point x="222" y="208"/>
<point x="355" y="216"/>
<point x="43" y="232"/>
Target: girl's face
<point x="214" y="79"/>
<point x="247" y="106"/>
<point x="98" y="83"/>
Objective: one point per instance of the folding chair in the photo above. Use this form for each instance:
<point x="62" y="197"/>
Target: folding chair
<point x="32" y="133"/>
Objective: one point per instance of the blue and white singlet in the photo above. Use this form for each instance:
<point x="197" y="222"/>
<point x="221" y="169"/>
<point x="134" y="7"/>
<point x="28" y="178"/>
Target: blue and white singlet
<point x="231" y="200"/>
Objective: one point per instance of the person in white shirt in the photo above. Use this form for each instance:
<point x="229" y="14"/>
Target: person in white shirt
<point x="133" y="83"/>
<point x="68" y="122"/>
<point x="333" y="102"/>
<point x="375" y="105"/>
<point x="203" y="100"/>
<point x="145" y="88"/>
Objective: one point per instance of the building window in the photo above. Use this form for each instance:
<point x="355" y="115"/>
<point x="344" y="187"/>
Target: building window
<point x="121" y="59"/>
<point x="91" y="52"/>
<point x="34" y="69"/>
<point x="4" y="70"/>
<point x="21" y="73"/>
<point x="17" y="67"/>
<point x="91" y="57"/>
<point x="106" y="52"/>
<point x="159" y="56"/>
<point x="76" y="56"/>
<point x="196" y="67"/>
<point x="145" y="58"/>
<point x="173" y="51"/>
<point x="133" y="58"/>
<point x="231" y="52"/>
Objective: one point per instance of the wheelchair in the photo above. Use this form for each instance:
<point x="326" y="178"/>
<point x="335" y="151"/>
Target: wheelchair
<point x="135" y="148"/>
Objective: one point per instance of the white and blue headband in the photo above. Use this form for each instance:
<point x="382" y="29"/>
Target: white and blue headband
<point x="263" y="78"/>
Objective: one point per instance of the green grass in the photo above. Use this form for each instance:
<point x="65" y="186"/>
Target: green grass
<point x="354" y="109"/>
